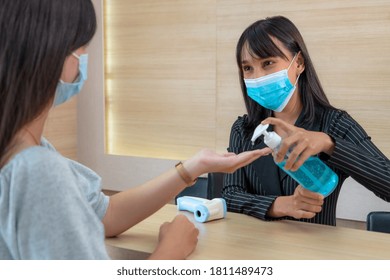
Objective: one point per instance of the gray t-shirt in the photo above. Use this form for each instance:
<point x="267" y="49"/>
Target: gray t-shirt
<point x="50" y="208"/>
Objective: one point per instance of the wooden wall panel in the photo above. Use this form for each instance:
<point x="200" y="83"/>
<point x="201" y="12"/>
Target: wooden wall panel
<point x="160" y="77"/>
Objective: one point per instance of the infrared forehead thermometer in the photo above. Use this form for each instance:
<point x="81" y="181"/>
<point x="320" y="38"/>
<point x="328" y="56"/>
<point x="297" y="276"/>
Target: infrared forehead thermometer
<point x="204" y="209"/>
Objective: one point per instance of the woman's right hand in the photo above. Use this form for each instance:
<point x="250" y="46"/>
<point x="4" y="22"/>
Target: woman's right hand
<point x="302" y="204"/>
<point x="177" y="239"/>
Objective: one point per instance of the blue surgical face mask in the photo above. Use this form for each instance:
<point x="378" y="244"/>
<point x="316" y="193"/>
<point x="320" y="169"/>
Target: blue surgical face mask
<point x="65" y="90"/>
<point x="272" y="91"/>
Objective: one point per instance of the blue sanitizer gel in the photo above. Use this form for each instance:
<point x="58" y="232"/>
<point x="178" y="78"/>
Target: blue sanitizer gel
<point x="313" y="174"/>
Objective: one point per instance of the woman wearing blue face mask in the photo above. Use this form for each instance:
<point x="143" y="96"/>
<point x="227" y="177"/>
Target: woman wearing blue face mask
<point x="281" y="88"/>
<point x="52" y="207"/>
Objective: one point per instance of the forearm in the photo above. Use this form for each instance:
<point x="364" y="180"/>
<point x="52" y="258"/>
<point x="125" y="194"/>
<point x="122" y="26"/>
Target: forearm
<point x="240" y="201"/>
<point x="129" y="207"/>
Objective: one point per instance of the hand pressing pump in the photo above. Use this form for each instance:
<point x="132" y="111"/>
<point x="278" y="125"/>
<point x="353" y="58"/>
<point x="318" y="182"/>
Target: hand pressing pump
<point x="313" y="174"/>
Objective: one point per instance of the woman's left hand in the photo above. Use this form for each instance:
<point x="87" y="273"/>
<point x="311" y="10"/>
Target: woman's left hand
<point x="300" y="142"/>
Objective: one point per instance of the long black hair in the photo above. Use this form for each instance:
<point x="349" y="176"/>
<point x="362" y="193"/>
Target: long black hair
<point x="257" y="38"/>
<point x="36" y="36"/>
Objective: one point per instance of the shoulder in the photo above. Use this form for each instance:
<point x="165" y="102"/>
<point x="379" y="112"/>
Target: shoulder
<point x="239" y="140"/>
<point x="36" y="169"/>
<point x="45" y="143"/>
<point x="239" y="129"/>
<point x="240" y="123"/>
<point x="42" y="178"/>
<point x="35" y="159"/>
<point x="338" y="116"/>
<point x="42" y="160"/>
<point x="340" y="123"/>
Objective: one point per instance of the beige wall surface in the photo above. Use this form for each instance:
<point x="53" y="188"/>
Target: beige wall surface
<point x="171" y="78"/>
<point x="348" y="41"/>
<point x="160" y="77"/>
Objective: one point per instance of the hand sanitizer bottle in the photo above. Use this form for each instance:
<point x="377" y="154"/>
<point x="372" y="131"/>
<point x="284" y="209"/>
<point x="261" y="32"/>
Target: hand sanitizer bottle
<point x="313" y="174"/>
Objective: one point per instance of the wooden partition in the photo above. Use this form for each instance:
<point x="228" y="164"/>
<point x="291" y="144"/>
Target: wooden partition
<point x="171" y="79"/>
<point x="160" y="77"/>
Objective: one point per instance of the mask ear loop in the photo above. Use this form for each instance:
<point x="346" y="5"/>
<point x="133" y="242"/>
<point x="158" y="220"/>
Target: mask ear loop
<point x="75" y="55"/>
<point x="292" y="60"/>
<point x="78" y="57"/>
<point x="296" y="81"/>
<point x="288" y="68"/>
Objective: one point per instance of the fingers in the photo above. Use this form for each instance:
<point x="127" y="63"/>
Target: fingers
<point x="250" y="154"/>
<point x="230" y="154"/>
<point x="177" y="239"/>
<point x="278" y="122"/>
<point x="246" y="158"/>
<point x="290" y="138"/>
<point x="309" y="196"/>
<point x="164" y="229"/>
<point x="306" y="203"/>
<point x="301" y="159"/>
<point x="311" y="208"/>
<point x="210" y="161"/>
<point x="298" y="154"/>
<point x="187" y="226"/>
<point x="304" y="215"/>
<point x="299" y="143"/>
<point x="255" y="154"/>
<point x="307" y="200"/>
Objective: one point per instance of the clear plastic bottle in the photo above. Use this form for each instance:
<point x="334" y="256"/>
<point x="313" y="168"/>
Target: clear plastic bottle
<point x="313" y="174"/>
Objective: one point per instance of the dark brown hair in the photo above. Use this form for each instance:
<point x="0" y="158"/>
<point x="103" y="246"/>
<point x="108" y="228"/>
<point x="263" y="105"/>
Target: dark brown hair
<point x="35" y="38"/>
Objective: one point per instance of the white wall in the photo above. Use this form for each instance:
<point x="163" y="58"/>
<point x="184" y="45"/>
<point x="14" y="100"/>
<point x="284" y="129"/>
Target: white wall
<point x="119" y="173"/>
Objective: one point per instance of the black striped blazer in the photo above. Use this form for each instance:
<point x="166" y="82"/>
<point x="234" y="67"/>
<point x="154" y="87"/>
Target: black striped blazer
<point x="252" y="189"/>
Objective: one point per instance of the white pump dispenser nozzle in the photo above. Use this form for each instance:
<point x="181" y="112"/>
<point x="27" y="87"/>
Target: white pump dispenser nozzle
<point x="271" y="139"/>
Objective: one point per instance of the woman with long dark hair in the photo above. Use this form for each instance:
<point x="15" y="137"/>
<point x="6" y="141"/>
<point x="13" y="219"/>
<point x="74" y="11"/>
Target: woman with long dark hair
<point x="280" y="88"/>
<point x="52" y="207"/>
